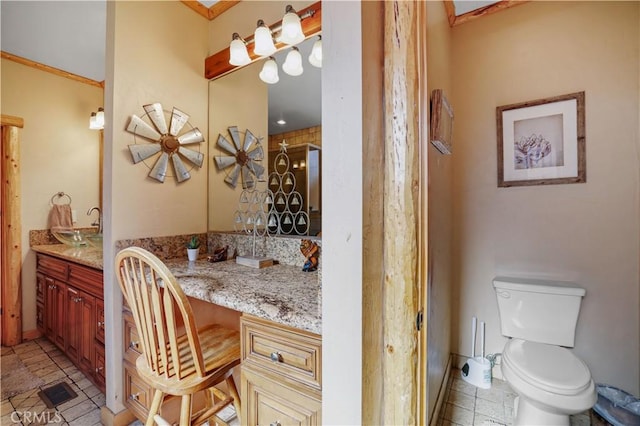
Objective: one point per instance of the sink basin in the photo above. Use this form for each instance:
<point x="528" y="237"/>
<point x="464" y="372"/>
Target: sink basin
<point x="77" y="237"/>
<point x="94" y="240"/>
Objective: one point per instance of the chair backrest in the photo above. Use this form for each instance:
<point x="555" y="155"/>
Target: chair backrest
<point x="159" y="308"/>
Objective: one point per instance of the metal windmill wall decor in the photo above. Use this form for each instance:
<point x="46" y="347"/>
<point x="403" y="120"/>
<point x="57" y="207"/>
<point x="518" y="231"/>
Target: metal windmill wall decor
<point x="242" y="159"/>
<point x="169" y="142"/>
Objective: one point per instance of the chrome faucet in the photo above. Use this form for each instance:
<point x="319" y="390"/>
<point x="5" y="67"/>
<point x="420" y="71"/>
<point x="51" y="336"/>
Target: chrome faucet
<point x="98" y="222"/>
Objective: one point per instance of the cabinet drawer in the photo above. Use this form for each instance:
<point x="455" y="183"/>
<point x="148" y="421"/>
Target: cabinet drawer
<point x="87" y="279"/>
<point x="293" y="354"/>
<point x="266" y="402"/>
<point x="51" y="266"/>
<point x="131" y="340"/>
<point x="137" y="393"/>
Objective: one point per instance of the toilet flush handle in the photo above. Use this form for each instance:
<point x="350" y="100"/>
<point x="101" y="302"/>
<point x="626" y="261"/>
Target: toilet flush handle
<point x="504" y="294"/>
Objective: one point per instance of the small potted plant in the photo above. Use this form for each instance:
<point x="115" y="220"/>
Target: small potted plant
<point x="193" y="247"/>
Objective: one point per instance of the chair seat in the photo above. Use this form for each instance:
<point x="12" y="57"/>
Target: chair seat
<point x="220" y="352"/>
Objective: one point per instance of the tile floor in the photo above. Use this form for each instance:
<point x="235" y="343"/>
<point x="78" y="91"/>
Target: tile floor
<point x="46" y="361"/>
<point x="467" y="405"/>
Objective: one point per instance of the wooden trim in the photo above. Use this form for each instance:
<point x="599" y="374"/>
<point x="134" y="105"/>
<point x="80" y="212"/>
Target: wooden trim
<point x="9" y="120"/>
<point x="423" y="215"/>
<point x="217" y="65"/>
<point x="373" y="211"/>
<point x="401" y="183"/>
<point x="212" y="12"/>
<point x="442" y="393"/>
<point x="100" y="168"/>
<point x="52" y="70"/>
<point x="10" y="230"/>
<point x="31" y="334"/>
<point x="474" y="14"/>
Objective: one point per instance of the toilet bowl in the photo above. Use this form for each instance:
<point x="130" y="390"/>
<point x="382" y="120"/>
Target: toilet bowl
<point x="540" y="318"/>
<point x="551" y="382"/>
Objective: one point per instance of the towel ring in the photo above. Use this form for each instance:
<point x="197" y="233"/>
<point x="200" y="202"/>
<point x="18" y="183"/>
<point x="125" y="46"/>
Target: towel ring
<point x="60" y="195"/>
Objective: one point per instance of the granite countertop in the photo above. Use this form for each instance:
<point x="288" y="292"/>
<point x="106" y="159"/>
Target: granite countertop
<point x="280" y="293"/>
<point x="87" y="256"/>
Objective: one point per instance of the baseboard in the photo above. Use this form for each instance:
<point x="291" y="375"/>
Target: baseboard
<point x="31" y="334"/>
<point x="109" y="418"/>
<point x="442" y="393"/>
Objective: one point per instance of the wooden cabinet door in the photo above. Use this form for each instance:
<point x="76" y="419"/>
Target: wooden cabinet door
<point x="54" y="321"/>
<point x="80" y="327"/>
<point x="99" y="364"/>
<point x="86" y="332"/>
<point x="99" y="321"/>
<point x="266" y="402"/>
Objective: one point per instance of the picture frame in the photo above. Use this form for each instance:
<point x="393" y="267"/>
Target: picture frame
<point x="542" y="142"/>
<point x="441" y="124"/>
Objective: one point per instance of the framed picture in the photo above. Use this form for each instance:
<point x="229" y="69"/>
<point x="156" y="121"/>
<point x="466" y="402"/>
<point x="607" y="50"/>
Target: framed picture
<point x="542" y="142"/>
<point x="441" y="122"/>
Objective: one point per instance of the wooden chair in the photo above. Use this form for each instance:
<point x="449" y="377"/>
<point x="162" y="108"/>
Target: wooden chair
<point x="176" y="358"/>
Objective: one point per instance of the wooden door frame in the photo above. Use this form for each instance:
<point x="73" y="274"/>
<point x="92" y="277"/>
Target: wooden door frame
<point x="11" y="230"/>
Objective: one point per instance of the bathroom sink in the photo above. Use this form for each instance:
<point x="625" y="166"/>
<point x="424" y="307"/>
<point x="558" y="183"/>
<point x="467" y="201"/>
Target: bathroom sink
<point x="77" y="237"/>
<point x="94" y="240"/>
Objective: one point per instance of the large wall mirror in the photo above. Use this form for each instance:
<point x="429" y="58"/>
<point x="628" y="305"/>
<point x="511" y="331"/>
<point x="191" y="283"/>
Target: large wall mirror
<point x="289" y="111"/>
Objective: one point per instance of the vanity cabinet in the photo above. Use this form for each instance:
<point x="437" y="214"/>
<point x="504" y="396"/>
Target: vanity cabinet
<point x="70" y="313"/>
<point x="281" y="380"/>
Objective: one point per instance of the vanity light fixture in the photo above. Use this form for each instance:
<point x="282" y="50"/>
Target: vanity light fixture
<point x="96" y="121"/>
<point x="315" y="58"/>
<point x="269" y="73"/>
<point x="238" y="54"/>
<point x="295" y="165"/>
<point x="291" y="27"/>
<point x="263" y="40"/>
<point x="293" y="63"/>
<point x="303" y="164"/>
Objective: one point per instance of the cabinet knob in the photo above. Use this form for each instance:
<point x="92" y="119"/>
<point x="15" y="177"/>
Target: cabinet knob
<point x="77" y="299"/>
<point x="100" y="324"/>
<point x="276" y="357"/>
<point x="133" y="345"/>
<point x="134" y="396"/>
<point x="99" y="369"/>
<point x="275" y="424"/>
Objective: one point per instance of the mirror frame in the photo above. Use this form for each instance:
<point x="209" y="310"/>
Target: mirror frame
<point x="454" y="19"/>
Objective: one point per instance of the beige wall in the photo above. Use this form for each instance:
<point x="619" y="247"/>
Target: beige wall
<point x="155" y="53"/>
<point x="587" y="233"/>
<point x="440" y="210"/>
<point x="58" y="152"/>
<point x="237" y="99"/>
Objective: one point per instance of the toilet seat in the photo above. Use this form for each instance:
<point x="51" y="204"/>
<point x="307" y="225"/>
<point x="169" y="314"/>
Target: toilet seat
<point x="553" y="369"/>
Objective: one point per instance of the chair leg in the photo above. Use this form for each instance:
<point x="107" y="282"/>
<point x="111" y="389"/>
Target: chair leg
<point x="185" y="410"/>
<point x="233" y="391"/>
<point x="155" y="406"/>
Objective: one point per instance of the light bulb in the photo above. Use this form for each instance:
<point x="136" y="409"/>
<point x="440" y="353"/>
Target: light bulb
<point x="291" y="28"/>
<point x="293" y="63"/>
<point x="93" y="122"/>
<point x="263" y="40"/>
<point x="269" y="73"/>
<point x="100" y="118"/>
<point x="315" y="57"/>
<point x="238" y="54"/>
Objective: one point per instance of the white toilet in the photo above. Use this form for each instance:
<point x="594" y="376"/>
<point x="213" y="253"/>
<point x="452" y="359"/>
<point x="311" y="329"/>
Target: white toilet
<point x="540" y="318"/>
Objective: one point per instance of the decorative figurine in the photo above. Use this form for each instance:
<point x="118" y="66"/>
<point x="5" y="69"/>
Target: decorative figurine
<point x="219" y="254"/>
<point x="310" y="251"/>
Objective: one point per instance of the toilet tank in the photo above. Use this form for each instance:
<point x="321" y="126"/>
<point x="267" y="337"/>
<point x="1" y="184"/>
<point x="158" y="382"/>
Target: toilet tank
<point x="538" y="310"/>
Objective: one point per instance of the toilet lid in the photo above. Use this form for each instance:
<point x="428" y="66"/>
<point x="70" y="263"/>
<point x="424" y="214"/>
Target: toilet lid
<point x="551" y="368"/>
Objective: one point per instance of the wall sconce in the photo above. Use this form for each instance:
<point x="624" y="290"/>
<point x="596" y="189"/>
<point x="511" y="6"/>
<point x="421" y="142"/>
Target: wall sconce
<point x="295" y="165"/>
<point x="96" y="121"/>
<point x="293" y="63"/>
<point x="303" y="164"/>
<point x="263" y="40"/>
<point x="291" y="27"/>
<point x="269" y="73"/>
<point x="315" y="57"/>
<point x="238" y="54"/>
